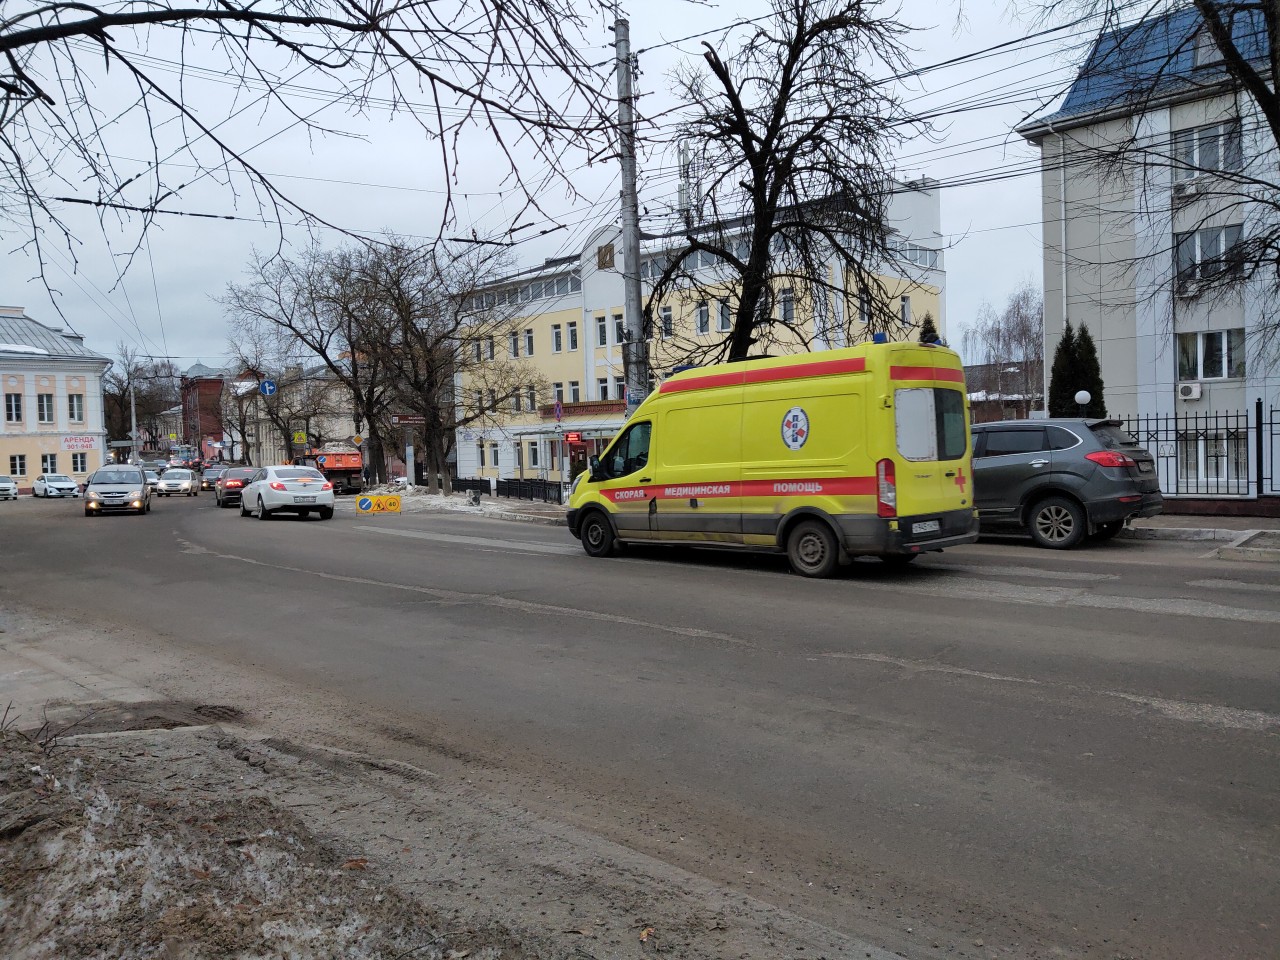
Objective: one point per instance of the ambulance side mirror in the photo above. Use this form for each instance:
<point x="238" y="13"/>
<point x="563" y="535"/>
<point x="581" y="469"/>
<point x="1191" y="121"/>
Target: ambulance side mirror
<point x="593" y="466"/>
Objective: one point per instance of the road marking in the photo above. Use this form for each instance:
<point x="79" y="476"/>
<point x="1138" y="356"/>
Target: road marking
<point x="1186" y="711"/>
<point x="994" y="571"/>
<point x="489" y="542"/>
<point x="1236" y="585"/>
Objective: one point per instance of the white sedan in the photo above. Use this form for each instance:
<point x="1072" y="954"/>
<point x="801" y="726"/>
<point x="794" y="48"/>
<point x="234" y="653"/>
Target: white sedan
<point x="175" y="480"/>
<point x="55" y="485"/>
<point x="300" y="490"/>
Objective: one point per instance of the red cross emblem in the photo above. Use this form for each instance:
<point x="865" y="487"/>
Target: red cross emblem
<point x="960" y="479"/>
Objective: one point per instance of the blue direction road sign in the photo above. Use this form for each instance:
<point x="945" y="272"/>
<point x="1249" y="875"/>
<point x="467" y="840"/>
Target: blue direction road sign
<point x="320" y="461"/>
<point x="365" y="503"/>
<point x="268" y="387"/>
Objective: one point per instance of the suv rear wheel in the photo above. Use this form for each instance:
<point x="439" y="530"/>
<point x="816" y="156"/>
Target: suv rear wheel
<point x="1057" y="523"/>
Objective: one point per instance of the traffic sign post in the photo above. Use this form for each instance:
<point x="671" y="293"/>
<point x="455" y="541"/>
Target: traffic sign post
<point x="267" y="388"/>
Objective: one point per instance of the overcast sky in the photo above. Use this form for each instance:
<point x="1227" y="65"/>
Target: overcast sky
<point x="389" y="178"/>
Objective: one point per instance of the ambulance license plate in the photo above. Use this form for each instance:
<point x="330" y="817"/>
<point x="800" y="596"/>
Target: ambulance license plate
<point x="304" y="499"/>
<point x="926" y="526"/>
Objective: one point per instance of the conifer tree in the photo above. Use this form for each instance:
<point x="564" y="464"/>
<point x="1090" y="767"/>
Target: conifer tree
<point x="1088" y="373"/>
<point x="1062" y="388"/>
<point x="928" y="332"/>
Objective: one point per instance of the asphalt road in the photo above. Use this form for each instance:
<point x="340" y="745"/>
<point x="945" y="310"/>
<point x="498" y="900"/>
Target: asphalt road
<point x="1022" y="752"/>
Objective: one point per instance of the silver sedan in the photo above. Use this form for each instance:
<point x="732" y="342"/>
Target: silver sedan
<point x="300" y="490"/>
<point x="177" y="480"/>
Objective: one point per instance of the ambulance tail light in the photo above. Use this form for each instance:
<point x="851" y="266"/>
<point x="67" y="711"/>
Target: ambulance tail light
<point x="886" y="490"/>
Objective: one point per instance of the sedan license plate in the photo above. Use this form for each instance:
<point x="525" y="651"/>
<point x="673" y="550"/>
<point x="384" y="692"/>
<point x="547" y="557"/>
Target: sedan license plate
<point x="926" y="526"/>
<point x="304" y="499"/>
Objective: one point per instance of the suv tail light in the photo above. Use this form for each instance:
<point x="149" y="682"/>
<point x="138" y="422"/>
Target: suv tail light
<point x="1109" y="458"/>
<point x="886" y="490"/>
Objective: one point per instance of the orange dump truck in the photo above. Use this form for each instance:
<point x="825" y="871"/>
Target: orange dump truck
<point x="344" y="469"/>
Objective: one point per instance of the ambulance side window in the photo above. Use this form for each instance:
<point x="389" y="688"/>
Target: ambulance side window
<point x="629" y="453"/>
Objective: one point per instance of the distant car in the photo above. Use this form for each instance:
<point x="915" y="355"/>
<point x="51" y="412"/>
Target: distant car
<point x="210" y="474"/>
<point x="8" y="489"/>
<point x="153" y="479"/>
<point x="178" y="480"/>
<point x="1061" y="480"/>
<point x="299" y="490"/>
<point x="228" y="487"/>
<point x="117" y="487"/>
<point x="55" y="485"/>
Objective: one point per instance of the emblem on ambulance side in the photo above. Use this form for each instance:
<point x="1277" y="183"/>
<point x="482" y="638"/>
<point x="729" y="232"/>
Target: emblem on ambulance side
<point x="795" y="428"/>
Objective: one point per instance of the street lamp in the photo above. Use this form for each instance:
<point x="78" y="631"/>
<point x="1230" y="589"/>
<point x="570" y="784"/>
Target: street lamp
<point x="1082" y="400"/>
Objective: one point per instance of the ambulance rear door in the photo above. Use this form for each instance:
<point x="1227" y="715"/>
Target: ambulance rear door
<point x="932" y="443"/>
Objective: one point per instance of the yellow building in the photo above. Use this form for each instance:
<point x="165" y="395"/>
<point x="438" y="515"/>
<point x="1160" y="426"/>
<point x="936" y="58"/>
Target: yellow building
<point x="52" y="386"/>
<point x="562" y="397"/>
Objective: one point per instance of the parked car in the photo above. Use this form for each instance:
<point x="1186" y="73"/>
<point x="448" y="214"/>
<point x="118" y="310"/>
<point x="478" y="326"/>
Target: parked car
<point x="299" y="490"/>
<point x="117" y="486"/>
<point x="229" y="486"/>
<point x="178" y="480"/>
<point x="153" y="479"/>
<point x="55" y="485"/>
<point x="210" y="474"/>
<point x="8" y="489"/>
<point x="1061" y="480"/>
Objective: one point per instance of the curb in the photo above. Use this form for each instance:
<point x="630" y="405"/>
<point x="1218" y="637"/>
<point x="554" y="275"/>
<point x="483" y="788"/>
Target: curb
<point x="531" y="518"/>
<point x="1184" y="533"/>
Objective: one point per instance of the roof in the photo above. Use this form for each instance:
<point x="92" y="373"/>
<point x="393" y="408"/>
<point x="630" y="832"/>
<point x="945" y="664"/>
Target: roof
<point x="1153" y="59"/>
<point x="198" y="371"/>
<point x="20" y="336"/>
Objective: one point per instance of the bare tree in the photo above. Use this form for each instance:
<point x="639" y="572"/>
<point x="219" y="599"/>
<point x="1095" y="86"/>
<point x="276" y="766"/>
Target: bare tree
<point x="790" y="137"/>
<point x="311" y="303"/>
<point x="1006" y="351"/>
<point x="154" y="386"/>
<point x="1210" y="186"/>
<point x="440" y="323"/>
<point x="69" y="135"/>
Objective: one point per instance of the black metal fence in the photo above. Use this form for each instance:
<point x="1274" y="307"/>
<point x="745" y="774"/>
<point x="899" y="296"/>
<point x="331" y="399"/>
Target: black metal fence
<point x="1213" y="454"/>
<point x="548" y="491"/>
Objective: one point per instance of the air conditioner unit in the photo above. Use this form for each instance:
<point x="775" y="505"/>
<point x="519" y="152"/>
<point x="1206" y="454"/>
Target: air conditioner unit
<point x="1189" y="391"/>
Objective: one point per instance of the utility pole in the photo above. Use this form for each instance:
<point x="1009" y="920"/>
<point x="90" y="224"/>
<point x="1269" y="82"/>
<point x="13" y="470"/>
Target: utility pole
<point x="133" y="424"/>
<point x="635" y="349"/>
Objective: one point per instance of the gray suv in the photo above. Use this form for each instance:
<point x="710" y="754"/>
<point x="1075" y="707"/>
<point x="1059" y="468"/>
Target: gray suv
<point x="1061" y="480"/>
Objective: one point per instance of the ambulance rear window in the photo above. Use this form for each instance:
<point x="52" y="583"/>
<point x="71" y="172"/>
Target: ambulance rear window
<point x="930" y="423"/>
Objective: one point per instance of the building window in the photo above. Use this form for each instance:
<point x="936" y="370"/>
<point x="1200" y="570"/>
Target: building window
<point x="864" y="310"/>
<point x="602" y="331"/>
<point x="48" y="463"/>
<point x="620" y="387"/>
<point x="75" y="407"/>
<point x="79" y="463"/>
<point x="1206" y="52"/>
<point x="13" y="407"/>
<point x="531" y="398"/>
<point x="557" y="390"/>
<point x="476" y="351"/>
<point x="519" y="452"/>
<point x="480" y="455"/>
<point x="514" y="344"/>
<point x="725" y="321"/>
<point x="533" y="453"/>
<point x="557" y="338"/>
<point x="44" y="408"/>
<point x="18" y="464"/>
<point x="668" y="324"/>
<point x="573" y="335"/>
<point x="786" y="306"/>
<point x="1203" y="255"/>
<point x="493" y="401"/>
<point x="528" y="343"/>
<point x="905" y="311"/>
<point x="602" y="388"/>
<point x="488" y="347"/>
<point x="515" y="401"/>
<point x="1215" y="355"/>
<point x="1198" y="150"/>
<point x="575" y="391"/>
<point x="479" y="401"/>
<point x="1213" y="463"/>
<point x="493" y="454"/>
<point x="704" y="317"/>
<point x="619" y="329"/>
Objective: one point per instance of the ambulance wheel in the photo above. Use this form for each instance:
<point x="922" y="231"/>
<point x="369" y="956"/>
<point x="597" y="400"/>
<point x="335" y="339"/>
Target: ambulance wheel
<point x="1057" y="523"/>
<point x="597" y="535"/>
<point x="812" y="549"/>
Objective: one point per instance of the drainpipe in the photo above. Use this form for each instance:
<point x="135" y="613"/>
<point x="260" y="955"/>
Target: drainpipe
<point x="1062" y="240"/>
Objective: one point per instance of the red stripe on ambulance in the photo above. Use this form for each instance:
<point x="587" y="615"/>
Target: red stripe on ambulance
<point x="817" y="486"/>
<point x="798" y="371"/>
<point x="948" y="374"/>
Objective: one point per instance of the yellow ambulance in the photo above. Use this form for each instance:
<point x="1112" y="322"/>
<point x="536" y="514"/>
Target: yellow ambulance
<point x="862" y="451"/>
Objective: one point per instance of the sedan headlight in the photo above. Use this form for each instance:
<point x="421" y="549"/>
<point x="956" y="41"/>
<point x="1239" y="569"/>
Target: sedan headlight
<point x="134" y="494"/>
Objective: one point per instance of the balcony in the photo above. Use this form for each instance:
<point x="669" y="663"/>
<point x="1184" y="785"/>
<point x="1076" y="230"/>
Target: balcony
<point x="584" y="408"/>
